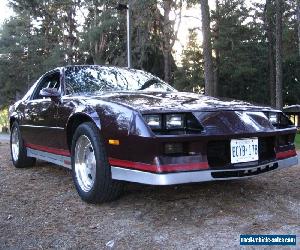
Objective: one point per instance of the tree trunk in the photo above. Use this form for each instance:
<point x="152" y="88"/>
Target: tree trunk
<point x="167" y="67"/>
<point x="207" y="49"/>
<point x="168" y="32"/>
<point x="298" y="21"/>
<point x="71" y="37"/>
<point x="217" y="51"/>
<point x="279" y="13"/>
<point x="271" y="55"/>
<point x="167" y="43"/>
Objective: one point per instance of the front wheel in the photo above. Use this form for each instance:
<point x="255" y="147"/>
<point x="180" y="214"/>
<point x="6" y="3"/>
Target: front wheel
<point x="90" y="168"/>
<point x="18" y="150"/>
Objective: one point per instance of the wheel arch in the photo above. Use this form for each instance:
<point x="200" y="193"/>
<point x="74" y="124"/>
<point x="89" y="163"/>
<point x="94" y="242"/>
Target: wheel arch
<point x="75" y="120"/>
<point x="12" y="119"/>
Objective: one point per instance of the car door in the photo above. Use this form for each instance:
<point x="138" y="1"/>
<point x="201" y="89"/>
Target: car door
<point x="66" y="108"/>
<point x="39" y="126"/>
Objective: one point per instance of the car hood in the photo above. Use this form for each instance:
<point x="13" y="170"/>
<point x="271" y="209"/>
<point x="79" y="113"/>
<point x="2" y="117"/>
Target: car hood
<point x="149" y="102"/>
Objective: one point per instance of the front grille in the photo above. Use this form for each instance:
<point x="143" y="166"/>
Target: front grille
<point x="218" y="152"/>
<point x="266" y="147"/>
<point x="244" y="173"/>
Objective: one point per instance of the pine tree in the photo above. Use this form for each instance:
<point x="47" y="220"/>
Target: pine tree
<point x="190" y="77"/>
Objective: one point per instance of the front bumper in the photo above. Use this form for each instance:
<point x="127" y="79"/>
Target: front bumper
<point x="130" y="175"/>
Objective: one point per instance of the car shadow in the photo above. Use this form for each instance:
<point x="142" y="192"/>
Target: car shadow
<point x="206" y="198"/>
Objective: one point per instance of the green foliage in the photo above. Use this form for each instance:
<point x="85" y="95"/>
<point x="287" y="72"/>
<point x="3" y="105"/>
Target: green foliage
<point x="243" y="54"/>
<point x="4" y="122"/>
<point x="189" y="77"/>
<point x="45" y="34"/>
<point x="40" y="37"/>
<point x="241" y="41"/>
<point x="104" y="37"/>
<point x="297" y="141"/>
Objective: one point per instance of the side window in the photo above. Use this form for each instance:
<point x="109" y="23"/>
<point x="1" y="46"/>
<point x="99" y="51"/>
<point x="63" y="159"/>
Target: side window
<point x="50" y="81"/>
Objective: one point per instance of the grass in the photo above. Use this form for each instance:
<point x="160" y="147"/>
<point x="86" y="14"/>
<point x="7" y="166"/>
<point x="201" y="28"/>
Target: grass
<point x="297" y="141"/>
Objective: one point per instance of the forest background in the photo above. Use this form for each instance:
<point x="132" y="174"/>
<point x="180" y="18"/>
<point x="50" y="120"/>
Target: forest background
<point x="247" y="50"/>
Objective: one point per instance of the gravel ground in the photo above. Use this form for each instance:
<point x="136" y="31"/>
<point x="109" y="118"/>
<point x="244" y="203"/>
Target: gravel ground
<point x="39" y="208"/>
<point x="4" y="137"/>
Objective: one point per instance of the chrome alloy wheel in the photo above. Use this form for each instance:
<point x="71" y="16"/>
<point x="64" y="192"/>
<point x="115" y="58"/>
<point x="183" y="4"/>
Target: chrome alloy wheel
<point x="85" y="163"/>
<point x="15" y="144"/>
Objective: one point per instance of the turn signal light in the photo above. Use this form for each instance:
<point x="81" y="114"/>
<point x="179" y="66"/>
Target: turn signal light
<point x="114" y="142"/>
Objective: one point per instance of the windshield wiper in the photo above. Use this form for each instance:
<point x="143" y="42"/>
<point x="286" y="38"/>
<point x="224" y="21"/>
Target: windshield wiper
<point x="149" y="83"/>
<point x="190" y="100"/>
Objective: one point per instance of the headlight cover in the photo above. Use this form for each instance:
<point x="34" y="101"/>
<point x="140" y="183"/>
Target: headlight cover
<point x="279" y="120"/>
<point x="273" y="118"/>
<point x="153" y="121"/>
<point x="175" y="123"/>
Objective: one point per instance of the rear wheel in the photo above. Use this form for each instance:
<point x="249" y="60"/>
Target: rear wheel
<point x="18" y="149"/>
<point x="91" y="170"/>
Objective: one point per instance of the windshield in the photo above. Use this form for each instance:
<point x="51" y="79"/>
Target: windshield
<point x="91" y="79"/>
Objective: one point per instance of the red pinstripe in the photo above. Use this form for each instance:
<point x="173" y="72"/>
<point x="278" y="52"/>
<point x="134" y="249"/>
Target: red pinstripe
<point x="161" y="168"/>
<point x="48" y="149"/>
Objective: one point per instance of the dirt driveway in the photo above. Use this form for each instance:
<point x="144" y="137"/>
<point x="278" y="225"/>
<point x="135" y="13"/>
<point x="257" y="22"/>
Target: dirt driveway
<point x="39" y="208"/>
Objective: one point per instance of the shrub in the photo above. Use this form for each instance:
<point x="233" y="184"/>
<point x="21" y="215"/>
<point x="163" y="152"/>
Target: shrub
<point x="4" y="122"/>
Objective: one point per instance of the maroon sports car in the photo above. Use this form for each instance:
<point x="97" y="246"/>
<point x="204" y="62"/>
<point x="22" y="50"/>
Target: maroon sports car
<point x="111" y="125"/>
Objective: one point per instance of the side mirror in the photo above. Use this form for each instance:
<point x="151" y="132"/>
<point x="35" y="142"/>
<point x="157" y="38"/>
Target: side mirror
<point x="49" y="92"/>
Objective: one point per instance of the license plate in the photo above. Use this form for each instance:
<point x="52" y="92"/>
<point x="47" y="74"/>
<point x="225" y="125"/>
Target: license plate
<point x="244" y="150"/>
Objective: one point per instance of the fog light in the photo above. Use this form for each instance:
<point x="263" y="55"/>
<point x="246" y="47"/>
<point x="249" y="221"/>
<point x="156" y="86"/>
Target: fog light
<point x="173" y="148"/>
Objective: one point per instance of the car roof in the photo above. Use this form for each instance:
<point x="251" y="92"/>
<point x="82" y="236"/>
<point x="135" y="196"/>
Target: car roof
<point x="132" y="70"/>
<point x="96" y="66"/>
<point x="91" y="66"/>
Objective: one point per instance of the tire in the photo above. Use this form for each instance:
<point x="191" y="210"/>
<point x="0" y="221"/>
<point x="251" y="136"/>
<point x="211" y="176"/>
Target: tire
<point x="90" y="168"/>
<point x="18" y="150"/>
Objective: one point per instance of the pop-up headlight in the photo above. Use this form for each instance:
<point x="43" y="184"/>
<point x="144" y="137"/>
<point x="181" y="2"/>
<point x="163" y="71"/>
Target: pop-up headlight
<point x="153" y="121"/>
<point x="175" y="121"/>
<point x="273" y="118"/>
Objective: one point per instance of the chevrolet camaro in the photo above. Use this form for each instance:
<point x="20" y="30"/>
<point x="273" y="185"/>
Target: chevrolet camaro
<point x="113" y="125"/>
